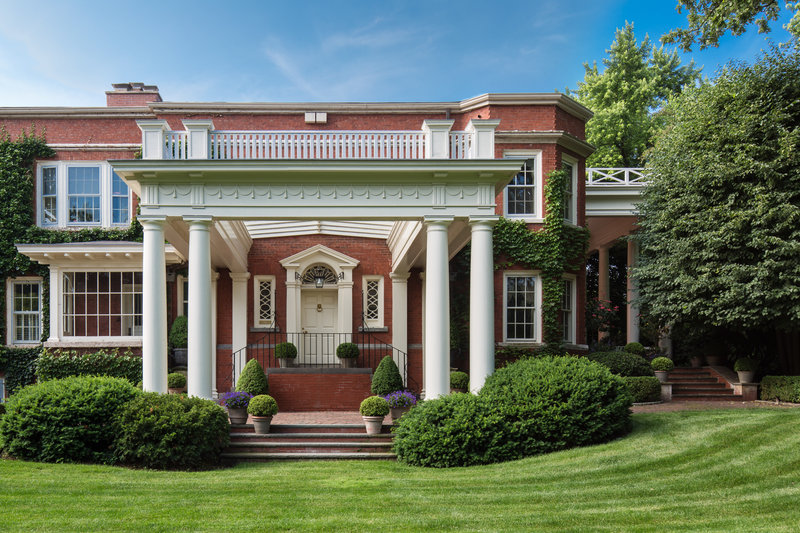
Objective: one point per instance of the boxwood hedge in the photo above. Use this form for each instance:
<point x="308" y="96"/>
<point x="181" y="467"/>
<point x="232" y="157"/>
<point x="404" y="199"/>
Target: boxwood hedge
<point x="783" y="388"/>
<point x="623" y="363"/>
<point x="643" y="388"/>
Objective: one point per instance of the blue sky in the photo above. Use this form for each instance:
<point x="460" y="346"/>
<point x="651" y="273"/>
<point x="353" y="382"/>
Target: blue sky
<point x="69" y="53"/>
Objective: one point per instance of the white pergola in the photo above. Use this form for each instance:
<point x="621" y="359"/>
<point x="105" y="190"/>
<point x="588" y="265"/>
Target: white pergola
<point x="200" y="206"/>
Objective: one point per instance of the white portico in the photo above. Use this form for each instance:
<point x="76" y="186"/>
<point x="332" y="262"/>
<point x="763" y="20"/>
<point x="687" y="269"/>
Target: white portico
<point x="200" y="205"/>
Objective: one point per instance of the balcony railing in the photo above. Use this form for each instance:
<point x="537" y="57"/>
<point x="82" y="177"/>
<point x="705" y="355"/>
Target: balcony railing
<point x="616" y="176"/>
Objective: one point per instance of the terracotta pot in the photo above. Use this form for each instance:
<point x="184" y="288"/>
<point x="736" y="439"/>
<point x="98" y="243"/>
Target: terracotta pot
<point x="397" y="412"/>
<point x="662" y="375"/>
<point x="373" y="424"/>
<point x="348" y="362"/>
<point x="261" y="424"/>
<point x="238" y="416"/>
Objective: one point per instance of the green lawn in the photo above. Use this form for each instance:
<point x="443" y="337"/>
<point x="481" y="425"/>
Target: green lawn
<point x="722" y="470"/>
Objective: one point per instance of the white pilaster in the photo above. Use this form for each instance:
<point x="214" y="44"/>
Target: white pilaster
<point x="482" y="130"/>
<point x="481" y="302"/>
<point x="214" y="278"/>
<point x="437" y="316"/>
<point x="437" y="138"/>
<point x="239" y="317"/>
<point x="153" y="137"/>
<point x="400" y="313"/>
<point x="197" y="134"/>
<point x="199" y="364"/>
<point x="632" y="293"/>
<point x="55" y="304"/>
<point x="154" y="306"/>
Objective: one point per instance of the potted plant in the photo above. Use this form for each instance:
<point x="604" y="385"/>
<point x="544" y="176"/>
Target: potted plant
<point x="347" y="352"/>
<point x="661" y="367"/>
<point x="285" y="352"/>
<point x="400" y="402"/>
<point x="176" y="383"/>
<point x="179" y="340"/>
<point x="373" y="410"/>
<point x="236" y="402"/>
<point x="459" y="382"/>
<point x="696" y="361"/>
<point x="262" y="408"/>
<point x="746" y="368"/>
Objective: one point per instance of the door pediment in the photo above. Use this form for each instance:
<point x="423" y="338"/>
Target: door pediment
<point x="300" y="261"/>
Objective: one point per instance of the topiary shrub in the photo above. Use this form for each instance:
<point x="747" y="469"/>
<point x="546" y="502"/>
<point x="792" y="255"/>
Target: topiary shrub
<point x="634" y="348"/>
<point x="170" y="431"/>
<point x="459" y="380"/>
<point x="643" y="388"/>
<point x="285" y="350"/>
<point x="662" y="364"/>
<point x="387" y="378"/>
<point x="253" y="380"/>
<point x="65" y="420"/>
<point x="263" y="405"/>
<point x="59" y="364"/>
<point x="455" y="430"/>
<point x="179" y="332"/>
<point x="744" y="364"/>
<point x="176" y="380"/>
<point x="347" y="350"/>
<point x="782" y="388"/>
<point x="623" y="363"/>
<point x="374" y="406"/>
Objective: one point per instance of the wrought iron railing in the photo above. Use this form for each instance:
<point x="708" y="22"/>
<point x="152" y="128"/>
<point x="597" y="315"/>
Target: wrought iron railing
<point x="318" y="350"/>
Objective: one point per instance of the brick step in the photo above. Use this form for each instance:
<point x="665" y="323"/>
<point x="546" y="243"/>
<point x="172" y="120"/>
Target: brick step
<point x="692" y="379"/>
<point x="342" y="437"/>
<point x="309" y="447"/>
<point x="333" y="456"/>
<point x="710" y="385"/>
<point x="309" y="428"/>
<point x="707" y="397"/>
<point x="721" y="389"/>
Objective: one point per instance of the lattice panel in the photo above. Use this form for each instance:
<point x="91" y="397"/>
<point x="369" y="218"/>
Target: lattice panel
<point x="373" y="299"/>
<point x="265" y="301"/>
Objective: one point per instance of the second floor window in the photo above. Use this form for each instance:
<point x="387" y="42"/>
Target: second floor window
<point x="83" y="190"/>
<point x="521" y="191"/>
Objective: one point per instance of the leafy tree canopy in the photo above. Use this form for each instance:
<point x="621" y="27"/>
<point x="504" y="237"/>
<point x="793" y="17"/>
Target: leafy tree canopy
<point x="711" y="19"/>
<point x="637" y="81"/>
<point x="720" y="229"/>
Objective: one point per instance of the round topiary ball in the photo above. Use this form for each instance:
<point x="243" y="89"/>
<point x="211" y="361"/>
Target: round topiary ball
<point x="285" y="350"/>
<point x="176" y="380"/>
<point x="374" y="406"/>
<point x="263" y="405"/>
<point x="253" y="380"/>
<point x="662" y="364"/>
<point x="634" y="348"/>
<point x="459" y="380"/>
<point x="387" y="378"/>
<point x="347" y="350"/>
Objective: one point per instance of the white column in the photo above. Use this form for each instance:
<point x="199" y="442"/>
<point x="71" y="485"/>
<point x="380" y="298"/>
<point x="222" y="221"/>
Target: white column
<point x="437" y="138"/>
<point x="153" y="132"/>
<point x="632" y="294"/>
<point x="481" y="303"/>
<point x="482" y="130"/>
<point x="55" y="304"/>
<point x="214" y="278"/>
<point x="603" y="294"/>
<point x="197" y="134"/>
<point x="239" y="317"/>
<point x="424" y="337"/>
<point x="199" y="363"/>
<point x="437" y="316"/>
<point x="344" y="294"/>
<point x="400" y="314"/>
<point x="154" y="306"/>
<point x="292" y="301"/>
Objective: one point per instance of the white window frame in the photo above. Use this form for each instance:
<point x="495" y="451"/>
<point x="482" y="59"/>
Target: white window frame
<point x="63" y="306"/>
<point x="537" y="216"/>
<point x="374" y="322"/>
<point x="572" y="337"/>
<point x="62" y="196"/>
<point x="2" y="389"/>
<point x="10" y="326"/>
<point x="257" y="321"/>
<point x="181" y="295"/>
<point x="573" y="219"/>
<point x="537" y="311"/>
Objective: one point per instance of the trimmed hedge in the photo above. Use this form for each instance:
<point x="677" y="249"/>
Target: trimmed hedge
<point x="643" y="388"/>
<point x="387" y="378"/>
<point x="634" y="348"/>
<point x="782" y="388"/>
<point x="253" y="380"/>
<point x="171" y="431"/>
<point x="61" y="364"/>
<point x="623" y="363"/>
<point x="65" y="420"/>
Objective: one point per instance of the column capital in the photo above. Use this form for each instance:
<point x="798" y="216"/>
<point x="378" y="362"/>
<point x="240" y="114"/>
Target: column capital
<point x="214" y="276"/>
<point x="239" y="276"/>
<point x="399" y="277"/>
<point x="198" y="221"/>
<point x="151" y="221"/>
<point x="484" y="220"/>
<point x="438" y="221"/>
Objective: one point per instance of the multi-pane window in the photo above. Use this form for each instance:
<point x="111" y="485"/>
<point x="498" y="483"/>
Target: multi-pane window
<point x="567" y="311"/>
<point x="102" y="304"/>
<point x="520" y="308"/>
<point x="83" y="193"/>
<point x="27" y="311"/>
<point x="119" y="200"/>
<point x="264" y="298"/>
<point x="521" y="191"/>
<point x="569" y="192"/>
<point x="49" y="196"/>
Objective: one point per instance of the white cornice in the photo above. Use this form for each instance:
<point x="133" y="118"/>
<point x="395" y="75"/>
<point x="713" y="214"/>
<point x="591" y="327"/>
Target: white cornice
<point x="75" y="112"/>
<point x="166" y="108"/>
<point x="92" y="255"/>
<point x="562" y="138"/>
<point x="557" y="99"/>
<point x="94" y="147"/>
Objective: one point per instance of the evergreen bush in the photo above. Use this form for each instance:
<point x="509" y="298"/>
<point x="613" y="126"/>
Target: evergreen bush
<point x="253" y="380"/>
<point x="179" y="332"/>
<point x="387" y="378"/>
<point x="176" y="380"/>
<point x="170" y="431"/>
<point x="285" y="350"/>
<point x="19" y="365"/>
<point x="634" y="348"/>
<point x="623" y="363"/>
<point x="347" y="350"/>
<point x="263" y="405"/>
<point x="59" y="364"/>
<point x="663" y="364"/>
<point x="65" y="420"/>
<point x="374" y="406"/>
<point x="643" y="388"/>
<point x="782" y="388"/>
<point x="459" y="380"/>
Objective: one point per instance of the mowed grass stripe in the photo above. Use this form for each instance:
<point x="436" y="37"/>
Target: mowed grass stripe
<point x="725" y="470"/>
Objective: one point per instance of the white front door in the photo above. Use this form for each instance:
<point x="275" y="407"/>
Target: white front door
<point x="319" y="316"/>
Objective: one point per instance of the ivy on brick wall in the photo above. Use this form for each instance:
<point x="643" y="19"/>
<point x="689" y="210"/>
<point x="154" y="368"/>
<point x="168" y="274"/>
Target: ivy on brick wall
<point x="18" y="223"/>
<point x="554" y="249"/>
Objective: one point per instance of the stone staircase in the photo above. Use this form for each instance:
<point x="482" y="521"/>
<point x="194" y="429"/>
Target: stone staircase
<point x="304" y="442"/>
<point x="701" y="384"/>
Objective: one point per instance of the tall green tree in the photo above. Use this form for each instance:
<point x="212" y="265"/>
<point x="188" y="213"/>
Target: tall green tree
<point x="720" y="228"/>
<point x="638" y="79"/>
<point x="711" y="19"/>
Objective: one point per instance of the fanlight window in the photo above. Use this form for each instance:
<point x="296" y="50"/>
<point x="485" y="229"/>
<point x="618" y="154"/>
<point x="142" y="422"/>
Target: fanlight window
<point x="319" y="275"/>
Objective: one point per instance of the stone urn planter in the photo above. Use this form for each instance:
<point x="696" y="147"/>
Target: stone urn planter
<point x="373" y="410"/>
<point x="746" y="368"/>
<point x="237" y="415"/>
<point x="746" y="376"/>
<point x="348" y="353"/>
<point x="373" y="424"/>
<point x="397" y="412"/>
<point x="347" y="362"/>
<point x="285" y="352"/>
<point x="261" y="424"/>
<point x="662" y="375"/>
<point x="176" y="390"/>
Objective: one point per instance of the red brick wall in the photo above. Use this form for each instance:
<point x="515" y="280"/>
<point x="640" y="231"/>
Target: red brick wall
<point x="319" y="392"/>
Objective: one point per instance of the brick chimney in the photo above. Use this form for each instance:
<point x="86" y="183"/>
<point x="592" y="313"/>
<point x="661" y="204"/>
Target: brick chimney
<point x="132" y="94"/>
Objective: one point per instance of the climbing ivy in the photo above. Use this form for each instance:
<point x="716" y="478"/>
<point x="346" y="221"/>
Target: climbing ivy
<point x="18" y="223"/>
<point x="554" y="249"/>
